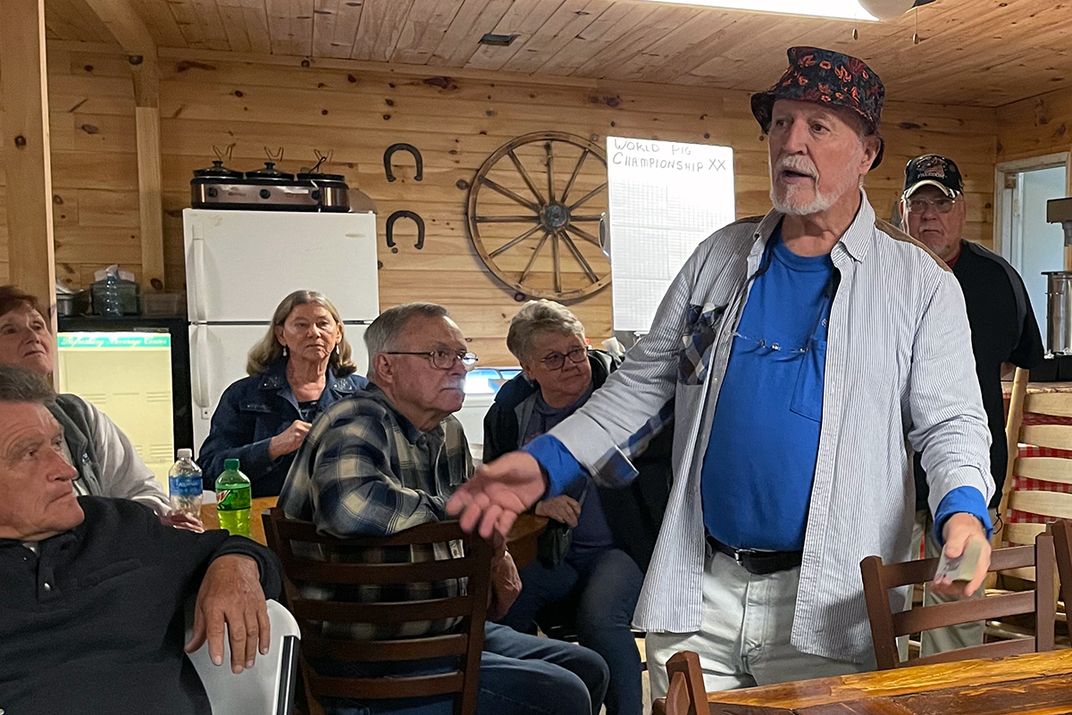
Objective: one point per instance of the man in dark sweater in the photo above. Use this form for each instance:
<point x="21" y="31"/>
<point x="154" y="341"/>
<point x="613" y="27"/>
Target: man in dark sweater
<point x="1003" y="330"/>
<point x="93" y="589"/>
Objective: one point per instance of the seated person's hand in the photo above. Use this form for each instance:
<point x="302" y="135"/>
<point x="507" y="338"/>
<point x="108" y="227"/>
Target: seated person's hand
<point x="183" y="521"/>
<point x="561" y="508"/>
<point x="289" y="439"/>
<point x="505" y="585"/>
<point x="230" y="603"/>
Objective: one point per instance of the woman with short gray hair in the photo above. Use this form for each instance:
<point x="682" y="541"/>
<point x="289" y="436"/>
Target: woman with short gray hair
<point x="536" y="318"/>
<point x="598" y="542"/>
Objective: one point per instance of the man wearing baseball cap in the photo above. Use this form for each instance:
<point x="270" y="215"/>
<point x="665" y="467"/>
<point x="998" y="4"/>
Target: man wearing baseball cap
<point x="1003" y="330"/>
<point x="797" y="353"/>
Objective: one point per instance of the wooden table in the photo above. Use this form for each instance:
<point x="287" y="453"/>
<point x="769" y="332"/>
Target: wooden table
<point x="211" y="519"/>
<point x="1034" y="684"/>
<point x="523" y="537"/>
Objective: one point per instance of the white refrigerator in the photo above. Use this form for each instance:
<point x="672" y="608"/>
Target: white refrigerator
<point x="241" y="264"/>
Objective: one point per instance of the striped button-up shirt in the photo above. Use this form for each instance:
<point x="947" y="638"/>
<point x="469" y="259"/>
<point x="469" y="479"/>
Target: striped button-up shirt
<point x="899" y="376"/>
<point x="365" y="470"/>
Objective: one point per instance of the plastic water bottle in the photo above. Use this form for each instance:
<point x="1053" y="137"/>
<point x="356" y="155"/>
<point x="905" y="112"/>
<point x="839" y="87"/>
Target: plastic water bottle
<point x="233" y="499"/>
<point x="185" y="485"/>
<point x="111" y="303"/>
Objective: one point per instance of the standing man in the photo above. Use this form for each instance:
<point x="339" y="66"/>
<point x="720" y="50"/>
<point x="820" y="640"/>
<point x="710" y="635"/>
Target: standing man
<point x="806" y="350"/>
<point x="386" y="460"/>
<point x="1003" y="330"/>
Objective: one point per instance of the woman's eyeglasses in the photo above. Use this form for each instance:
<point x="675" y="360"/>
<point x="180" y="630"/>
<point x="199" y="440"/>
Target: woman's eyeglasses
<point x="555" y="361"/>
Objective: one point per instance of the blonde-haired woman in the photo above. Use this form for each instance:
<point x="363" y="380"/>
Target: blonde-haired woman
<point x="302" y="366"/>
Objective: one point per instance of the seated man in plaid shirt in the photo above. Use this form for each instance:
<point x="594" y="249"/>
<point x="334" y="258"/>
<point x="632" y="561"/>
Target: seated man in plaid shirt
<point x="386" y="460"/>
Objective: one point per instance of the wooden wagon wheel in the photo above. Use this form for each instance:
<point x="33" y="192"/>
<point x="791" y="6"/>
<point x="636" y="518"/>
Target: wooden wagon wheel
<point x="535" y="226"/>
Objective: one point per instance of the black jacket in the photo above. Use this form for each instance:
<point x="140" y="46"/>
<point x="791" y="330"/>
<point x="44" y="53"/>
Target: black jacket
<point x="93" y="622"/>
<point x="1003" y="329"/>
<point x="634" y="513"/>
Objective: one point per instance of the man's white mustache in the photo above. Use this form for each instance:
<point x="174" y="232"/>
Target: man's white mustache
<point x="798" y="164"/>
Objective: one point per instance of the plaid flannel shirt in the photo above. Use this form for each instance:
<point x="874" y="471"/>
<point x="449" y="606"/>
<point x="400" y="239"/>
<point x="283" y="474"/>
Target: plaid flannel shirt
<point x="365" y="470"/>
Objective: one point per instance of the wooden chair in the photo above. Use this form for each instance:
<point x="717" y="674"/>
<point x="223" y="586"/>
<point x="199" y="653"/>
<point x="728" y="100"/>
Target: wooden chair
<point x="458" y="649"/>
<point x="1061" y="530"/>
<point x="886" y="625"/>
<point x="686" y="694"/>
<point x="1038" y="481"/>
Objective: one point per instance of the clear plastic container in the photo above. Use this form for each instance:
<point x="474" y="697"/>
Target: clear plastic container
<point x="113" y="296"/>
<point x="185" y="484"/>
<point x="106" y="297"/>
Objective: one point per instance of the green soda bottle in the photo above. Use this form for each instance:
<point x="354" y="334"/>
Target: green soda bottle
<point x="232" y="499"/>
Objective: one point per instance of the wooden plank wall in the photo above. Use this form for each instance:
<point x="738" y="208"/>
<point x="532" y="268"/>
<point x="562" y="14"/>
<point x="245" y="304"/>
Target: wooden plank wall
<point x="1035" y="126"/>
<point x="358" y="109"/>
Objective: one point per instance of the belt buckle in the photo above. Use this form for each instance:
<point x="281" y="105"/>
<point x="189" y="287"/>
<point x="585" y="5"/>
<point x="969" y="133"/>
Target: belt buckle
<point x="740" y="554"/>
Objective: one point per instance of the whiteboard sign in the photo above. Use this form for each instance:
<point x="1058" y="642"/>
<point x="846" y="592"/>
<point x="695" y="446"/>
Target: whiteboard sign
<point x="664" y="199"/>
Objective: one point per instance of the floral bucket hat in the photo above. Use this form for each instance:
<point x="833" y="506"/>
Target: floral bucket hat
<point x="826" y="77"/>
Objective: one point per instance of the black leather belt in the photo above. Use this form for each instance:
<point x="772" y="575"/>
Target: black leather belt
<point x="759" y="562"/>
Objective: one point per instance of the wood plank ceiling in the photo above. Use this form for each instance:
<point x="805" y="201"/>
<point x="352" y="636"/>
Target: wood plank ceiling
<point x="977" y="52"/>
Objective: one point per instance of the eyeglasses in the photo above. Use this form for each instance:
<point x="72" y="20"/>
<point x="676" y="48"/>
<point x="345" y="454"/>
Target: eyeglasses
<point x="443" y="359"/>
<point x="555" y="361"/>
<point x="942" y="206"/>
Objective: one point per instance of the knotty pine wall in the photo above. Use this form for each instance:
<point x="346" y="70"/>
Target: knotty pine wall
<point x="358" y="109"/>
<point x="1036" y="126"/>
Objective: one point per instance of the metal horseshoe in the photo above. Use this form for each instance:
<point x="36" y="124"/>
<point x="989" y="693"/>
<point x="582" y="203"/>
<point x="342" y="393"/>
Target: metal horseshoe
<point x="391" y="229"/>
<point x="403" y="147"/>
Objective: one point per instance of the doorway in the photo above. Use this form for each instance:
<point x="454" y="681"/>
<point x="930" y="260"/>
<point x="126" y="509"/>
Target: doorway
<point x="1023" y="237"/>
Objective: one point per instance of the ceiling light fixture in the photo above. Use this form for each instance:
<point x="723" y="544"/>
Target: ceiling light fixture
<point x="837" y="9"/>
<point x="497" y="40"/>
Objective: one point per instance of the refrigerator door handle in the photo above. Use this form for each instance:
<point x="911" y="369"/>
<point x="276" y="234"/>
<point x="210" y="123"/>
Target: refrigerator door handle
<point x="199" y="382"/>
<point x="198" y="245"/>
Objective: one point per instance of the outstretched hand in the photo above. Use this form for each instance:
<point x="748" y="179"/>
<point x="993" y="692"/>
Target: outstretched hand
<point x="958" y="531"/>
<point x="497" y="493"/>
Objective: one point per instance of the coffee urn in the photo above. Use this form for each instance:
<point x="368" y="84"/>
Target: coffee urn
<point x="1059" y="286"/>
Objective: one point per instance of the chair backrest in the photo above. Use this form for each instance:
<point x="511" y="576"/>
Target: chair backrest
<point x="1014" y="418"/>
<point x="1061" y="530"/>
<point x="686" y="694"/>
<point x="338" y="630"/>
<point x="887" y="625"/>
<point x="265" y="689"/>
<point x="676" y="701"/>
<point x="1038" y="483"/>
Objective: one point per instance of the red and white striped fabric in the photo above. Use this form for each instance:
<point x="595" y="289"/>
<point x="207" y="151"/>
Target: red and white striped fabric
<point x="1027" y="484"/>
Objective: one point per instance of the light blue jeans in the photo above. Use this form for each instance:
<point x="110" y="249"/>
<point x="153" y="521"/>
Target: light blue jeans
<point x="744" y="636"/>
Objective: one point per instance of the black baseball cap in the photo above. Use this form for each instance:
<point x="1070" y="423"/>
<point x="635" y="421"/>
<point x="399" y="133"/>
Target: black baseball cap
<point x="933" y="170"/>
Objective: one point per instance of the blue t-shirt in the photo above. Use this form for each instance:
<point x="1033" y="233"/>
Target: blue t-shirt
<point x="760" y="460"/>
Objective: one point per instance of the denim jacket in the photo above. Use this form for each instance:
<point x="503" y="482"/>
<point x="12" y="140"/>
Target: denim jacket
<point x="251" y="412"/>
